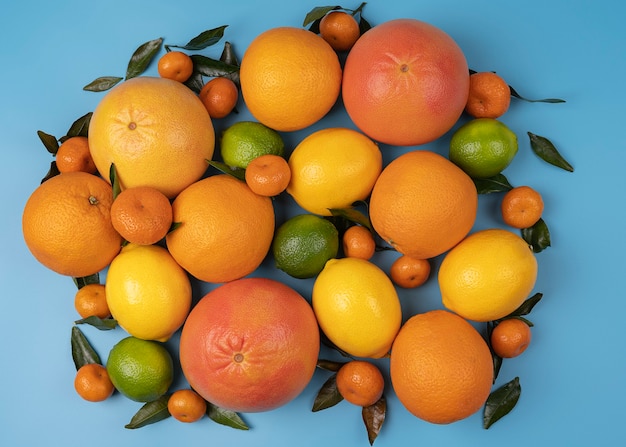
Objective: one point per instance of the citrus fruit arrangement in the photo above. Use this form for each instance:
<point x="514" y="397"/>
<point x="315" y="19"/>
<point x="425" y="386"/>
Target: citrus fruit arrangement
<point x="150" y="198"/>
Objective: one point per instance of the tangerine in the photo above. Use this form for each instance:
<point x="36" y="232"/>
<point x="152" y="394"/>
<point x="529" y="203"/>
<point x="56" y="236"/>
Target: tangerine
<point x="358" y="242"/>
<point x="340" y="30"/>
<point x="186" y="406"/>
<point x="489" y="95"/>
<point x="409" y="272"/>
<point x="219" y="96"/>
<point x="522" y="207"/>
<point x="268" y="175"/>
<point x="90" y="300"/>
<point x="74" y="155"/>
<point x="175" y="65"/>
<point x="360" y="383"/>
<point x="92" y="383"/>
<point x="510" y="338"/>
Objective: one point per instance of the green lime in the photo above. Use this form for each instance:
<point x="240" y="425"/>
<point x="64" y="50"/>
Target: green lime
<point x="246" y="140"/>
<point x="303" y="244"/>
<point x="483" y="147"/>
<point x="141" y="370"/>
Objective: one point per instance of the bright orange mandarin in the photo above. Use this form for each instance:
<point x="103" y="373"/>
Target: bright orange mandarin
<point x="358" y="242"/>
<point x="340" y="30"/>
<point x="360" y="383"/>
<point x="522" y="207"/>
<point x="409" y="272"/>
<point x="219" y="96"/>
<point x="175" y="65"/>
<point x="489" y="95"/>
<point x="92" y="383"/>
<point x="142" y="215"/>
<point x="74" y="155"/>
<point x="186" y="406"/>
<point x="510" y="338"/>
<point x="268" y="175"/>
<point x="91" y="300"/>
<point x="67" y="224"/>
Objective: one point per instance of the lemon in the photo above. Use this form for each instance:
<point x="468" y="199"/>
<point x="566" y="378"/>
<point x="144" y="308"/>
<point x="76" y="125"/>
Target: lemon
<point x="141" y="370"/>
<point x="303" y="244"/>
<point x="483" y="147"/>
<point x="333" y="168"/>
<point x="357" y="307"/>
<point x="148" y="293"/>
<point x="246" y="140"/>
<point x="487" y="275"/>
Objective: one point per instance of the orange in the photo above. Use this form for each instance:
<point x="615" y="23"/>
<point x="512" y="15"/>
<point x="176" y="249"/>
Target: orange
<point x="441" y="367"/>
<point x="268" y="175"/>
<point x="290" y="78"/>
<point x="175" y="65"/>
<point x="74" y="155"/>
<point x="358" y="242"/>
<point x="219" y="96"/>
<point x="92" y="383"/>
<point x="422" y="204"/>
<point x="225" y="230"/>
<point x="91" y="300"/>
<point x="250" y="345"/>
<point x="142" y="215"/>
<point x="510" y="338"/>
<point x="409" y="272"/>
<point x="489" y="95"/>
<point x="340" y="30"/>
<point x="405" y="82"/>
<point x="186" y="406"/>
<point x="521" y="207"/>
<point x="360" y="383"/>
<point x="157" y="133"/>
<point x="66" y="224"/>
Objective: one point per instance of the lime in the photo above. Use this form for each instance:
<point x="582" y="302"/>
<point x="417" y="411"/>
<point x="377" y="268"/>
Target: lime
<point x="245" y="140"/>
<point x="303" y="244"/>
<point x="483" y="147"/>
<point x="141" y="370"/>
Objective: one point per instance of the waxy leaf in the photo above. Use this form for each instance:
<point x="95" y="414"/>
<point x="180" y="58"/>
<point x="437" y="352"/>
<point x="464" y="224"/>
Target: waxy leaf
<point x="49" y="141"/>
<point x="548" y="152"/>
<point x="54" y="170"/>
<point x="329" y="365"/>
<point x="82" y="352"/>
<point x="224" y="168"/>
<point x="497" y="183"/>
<point x="142" y="57"/>
<point x="102" y="83"/>
<point x="374" y="417"/>
<point x="500" y="402"/>
<point x="211" y="67"/>
<point x="104" y="324"/>
<point x="150" y="413"/>
<point x="497" y="360"/>
<point x="229" y="57"/>
<point x="318" y="13"/>
<point x="225" y="417"/>
<point x="328" y="395"/>
<point x="79" y="128"/>
<point x="548" y="100"/>
<point x="352" y="215"/>
<point x="83" y="281"/>
<point x="115" y="182"/>
<point x="537" y="236"/>
<point x="527" y="306"/>
<point x="203" y="40"/>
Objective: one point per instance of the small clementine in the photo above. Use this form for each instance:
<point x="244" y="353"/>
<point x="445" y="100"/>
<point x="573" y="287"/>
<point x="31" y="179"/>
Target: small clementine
<point x="489" y="95"/>
<point x="268" y="175"/>
<point x="219" y="96"/>
<point x="92" y="383"/>
<point x="175" y="65"/>
<point x="74" y="155"/>
<point x="90" y="300"/>
<point x="408" y="272"/>
<point x="340" y="30"/>
<point x="522" y="207"/>
<point x="186" y="406"/>
<point x="358" y="242"/>
<point x="360" y="383"/>
<point x="510" y="338"/>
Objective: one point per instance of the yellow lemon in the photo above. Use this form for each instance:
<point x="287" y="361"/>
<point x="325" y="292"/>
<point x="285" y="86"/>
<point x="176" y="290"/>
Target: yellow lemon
<point x="148" y="293"/>
<point x="487" y="275"/>
<point x="333" y="168"/>
<point x="357" y="307"/>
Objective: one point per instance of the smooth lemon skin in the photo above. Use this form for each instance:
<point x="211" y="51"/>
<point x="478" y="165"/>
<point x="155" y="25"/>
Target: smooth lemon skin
<point x="148" y="293"/>
<point x="357" y="307"/>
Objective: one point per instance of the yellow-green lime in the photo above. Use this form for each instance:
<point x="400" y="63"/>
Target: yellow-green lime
<point x="483" y="147"/>
<point x="246" y="140"/>
<point x="141" y="370"/>
<point x="303" y="244"/>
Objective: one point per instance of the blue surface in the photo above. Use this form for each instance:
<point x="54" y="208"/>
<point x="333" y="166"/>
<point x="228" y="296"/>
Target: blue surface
<point x="573" y="375"/>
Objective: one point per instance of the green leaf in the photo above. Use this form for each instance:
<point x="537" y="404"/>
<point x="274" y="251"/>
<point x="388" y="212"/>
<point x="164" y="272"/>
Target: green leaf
<point x="548" y="100"/>
<point x="548" y="152"/>
<point x="352" y="215"/>
<point x="82" y="352"/>
<point x="364" y="25"/>
<point x="49" y="141"/>
<point x="102" y="83"/>
<point x="174" y="226"/>
<point x="51" y="172"/>
<point x="224" y="168"/>
<point x="115" y="181"/>
<point x="229" y="57"/>
<point x="537" y="236"/>
<point x="142" y="57"/>
<point x="104" y="324"/>
<point x="527" y="306"/>
<point x="204" y="39"/>
<point x="500" y="402"/>
<point x="318" y="13"/>
<point x="328" y="395"/>
<point x="150" y="413"/>
<point x="374" y="417"/>
<point x="497" y="360"/>
<point x="212" y="68"/>
<point x="497" y="183"/>
<point x="79" y="128"/>
<point x="329" y="365"/>
<point x="225" y="417"/>
<point x="83" y="281"/>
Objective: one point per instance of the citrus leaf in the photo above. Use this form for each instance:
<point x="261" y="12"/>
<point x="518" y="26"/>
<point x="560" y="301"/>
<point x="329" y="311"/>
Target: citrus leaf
<point x="501" y="401"/>
<point x="83" y="281"/>
<point x="212" y="68"/>
<point x="224" y="168"/>
<point x="225" y="417"/>
<point x="497" y="183"/>
<point x="352" y="215"/>
<point x="104" y="324"/>
<point x="49" y="141"/>
<point x="79" y="128"/>
<point x="328" y="395"/>
<point x="548" y="100"/>
<point x="374" y="417"/>
<point x="150" y="413"/>
<point x="364" y="25"/>
<point x="548" y="152"/>
<point x="203" y="40"/>
<point x="229" y="57"/>
<point x="317" y="13"/>
<point x="497" y="360"/>
<point x="115" y="182"/>
<point x="142" y="57"/>
<point x="329" y="365"/>
<point x="527" y="306"/>
<point x="82" y="352"/>
<point x="537" y="236"/>
<point x="52" y="171"/>
<point x="102" y="83"/>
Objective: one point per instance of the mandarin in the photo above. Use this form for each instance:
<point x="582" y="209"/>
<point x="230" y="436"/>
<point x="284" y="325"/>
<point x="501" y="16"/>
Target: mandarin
<point x="489" y="95"/>
<point x="408" y="272"/>
<point x="268" y="175"/>
<point x="510" y="338"/>
<point x="358" y="242"/>
<point x="92" y="383"/>
<point x="360" y="383"/>
<point x="186" y="406"/>
<point x="74" y="155"/>
<point x="90" y="300"/>
<point x="175" y="65"/>
<point x="521" y="207"/>
<point x="219" y="97"/>
<point x="340" y="30"/>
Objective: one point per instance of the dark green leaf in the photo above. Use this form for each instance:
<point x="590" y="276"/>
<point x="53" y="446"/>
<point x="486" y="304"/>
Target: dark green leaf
<point x="527" y="306"/>
<point x="497" y="183"/>
<point x="501" y="402"/>
<point x="374" y="417"/>
<point x="83" y="281"/>
<point x="352" y="215"/>
<point x="104" y="324"/>
<point x="364" y="25"/>
<point x="195" y="81"/>
<point x="548" y="100"/>
<point x="548" y="152"/>
<point x="224" y="168"/>
<point x="329" y="365"/>
<point x="328" y="395"/>
<point x="174" y="226"/>
<point x="497" y="360"/>
<point x="225" y="417"/>
<point x="537" y="236"/>
<point x="102" y="83"/>
<point x="82" y="352"/>
<point x="317" y="13"/>
<point x="142" y="57"/>
<point x="115" y="181"/>
<point x="79" y="128"/>
<point x="203" y="40"/>
<point x="211" y="67"/>
<point x="49" y="141"/>
<point x="52" y="171"/>
<point x="150" y="413"/>
<point x="228" y="57"/>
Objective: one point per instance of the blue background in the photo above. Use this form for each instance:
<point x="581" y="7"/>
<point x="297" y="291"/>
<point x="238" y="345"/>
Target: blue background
<point x="573" y="375"/>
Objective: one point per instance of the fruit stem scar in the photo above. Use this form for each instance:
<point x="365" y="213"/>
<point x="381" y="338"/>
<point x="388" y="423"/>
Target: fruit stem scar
<point x="238" y="357"/>
<point x="132" y="125"/>
<point x="93" y="200"/>
<point x="404" y="68"/>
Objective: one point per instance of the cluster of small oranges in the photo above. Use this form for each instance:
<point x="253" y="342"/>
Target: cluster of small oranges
<point x="133" y="197"/>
